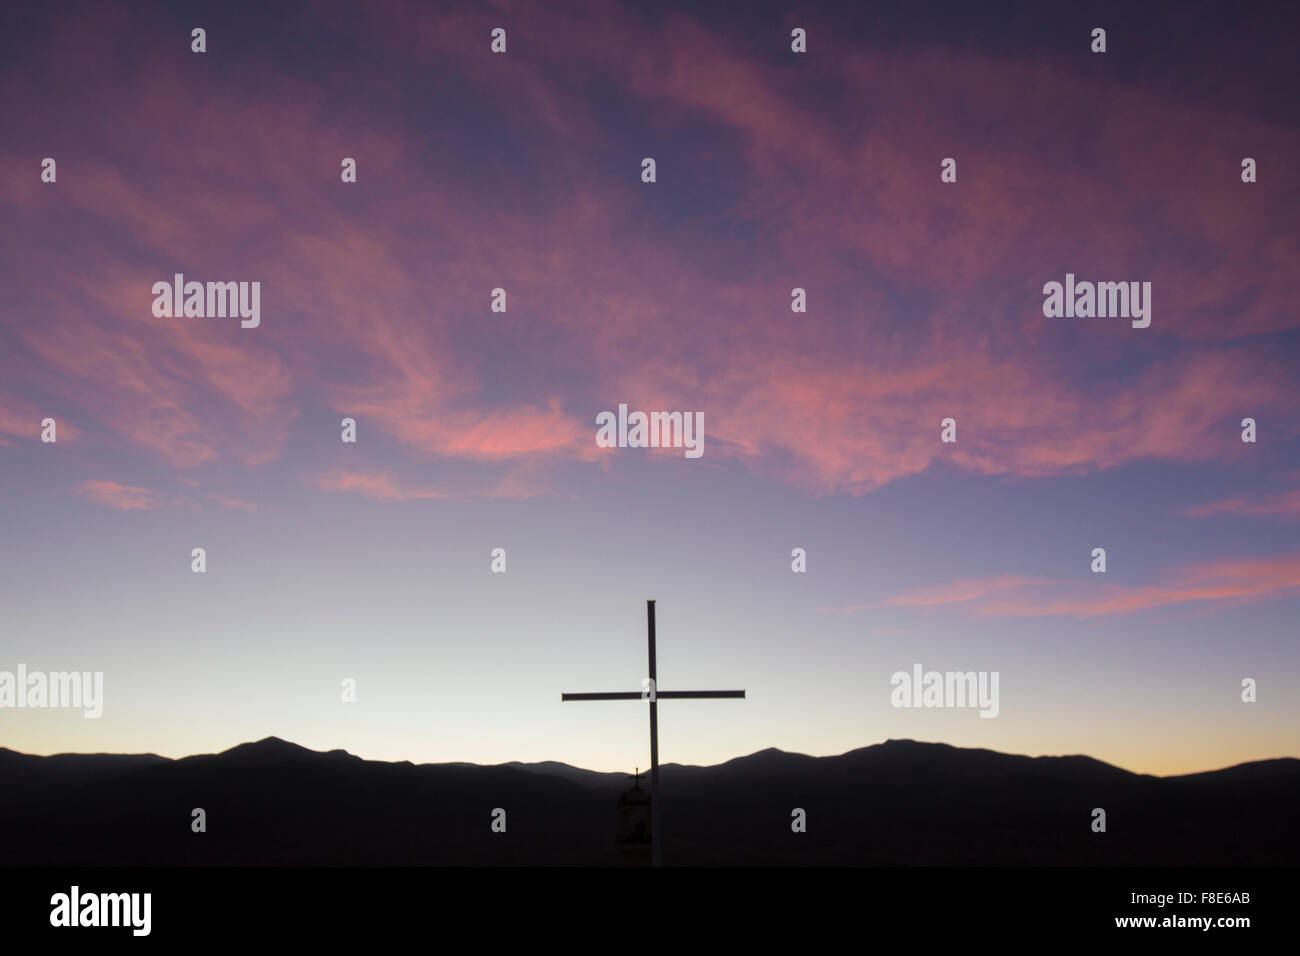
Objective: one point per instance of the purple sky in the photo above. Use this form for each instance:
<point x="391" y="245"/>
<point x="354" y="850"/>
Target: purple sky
<point x="476" y="429"/>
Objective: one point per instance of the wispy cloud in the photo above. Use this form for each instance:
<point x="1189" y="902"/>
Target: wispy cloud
<point x="382" y="486"/>
<point x="626" y="293"/>
<point x="376" y="486"/>
<point x="1233" y="580"/>
<point x="112" y="494"/>
<point x="1279" y="504"/>
<point x="233" y="503"/>
<point x="22" y="420"/>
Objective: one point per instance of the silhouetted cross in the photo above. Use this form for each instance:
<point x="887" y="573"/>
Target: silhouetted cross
<point x="651" y="694"/>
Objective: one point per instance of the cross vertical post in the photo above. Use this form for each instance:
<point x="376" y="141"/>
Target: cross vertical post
<point x="656" y="808"/>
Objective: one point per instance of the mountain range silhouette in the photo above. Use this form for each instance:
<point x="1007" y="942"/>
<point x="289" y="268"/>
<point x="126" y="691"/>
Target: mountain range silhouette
<point x="896" y="803"/>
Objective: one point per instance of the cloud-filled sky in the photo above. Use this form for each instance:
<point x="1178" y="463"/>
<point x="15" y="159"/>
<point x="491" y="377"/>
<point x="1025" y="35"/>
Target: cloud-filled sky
<point x="476" y="429"/>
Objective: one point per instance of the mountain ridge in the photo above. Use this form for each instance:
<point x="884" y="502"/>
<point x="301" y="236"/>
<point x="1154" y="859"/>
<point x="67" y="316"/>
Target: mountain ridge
<point x="274" y="746"/>
<point x="900" y="802"/>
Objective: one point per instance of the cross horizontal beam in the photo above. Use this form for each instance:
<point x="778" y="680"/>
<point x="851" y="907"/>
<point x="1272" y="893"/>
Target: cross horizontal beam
<point x="659" y="695"/>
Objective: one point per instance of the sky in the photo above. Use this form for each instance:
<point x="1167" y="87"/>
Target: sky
<point x="372" y="561"/>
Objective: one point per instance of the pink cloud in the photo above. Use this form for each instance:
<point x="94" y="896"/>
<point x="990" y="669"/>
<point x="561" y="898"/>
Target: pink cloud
<point x="958" y="592"/>
<point x="22" y="420"/>
<point x="233" y="503"/>
<point x="112" y="494"/>
<point x="924" y="298"/>
<point x="518" y="482"/>
<point x="1285" y="504"/>
<point x="376" y="487"/>
<point x="1235" y="580"/>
